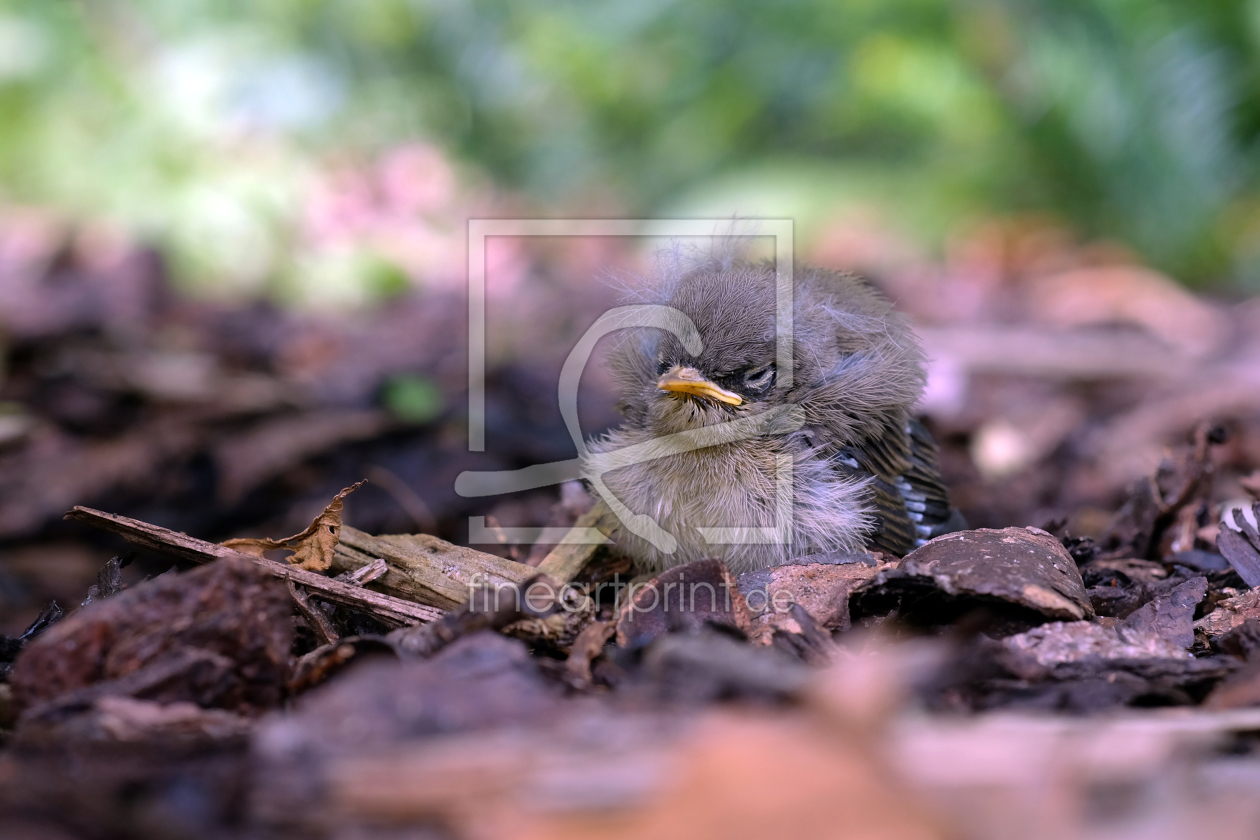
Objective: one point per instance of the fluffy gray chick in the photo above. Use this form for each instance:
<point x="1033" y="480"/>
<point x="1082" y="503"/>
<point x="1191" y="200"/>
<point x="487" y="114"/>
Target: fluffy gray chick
<point x="863" y="472"/>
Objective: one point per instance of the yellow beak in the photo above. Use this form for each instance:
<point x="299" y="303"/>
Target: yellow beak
<point x="685" y="380"/>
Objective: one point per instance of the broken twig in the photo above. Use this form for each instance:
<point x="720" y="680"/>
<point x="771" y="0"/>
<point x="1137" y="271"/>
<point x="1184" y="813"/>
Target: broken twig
<point x="394" y="612"/>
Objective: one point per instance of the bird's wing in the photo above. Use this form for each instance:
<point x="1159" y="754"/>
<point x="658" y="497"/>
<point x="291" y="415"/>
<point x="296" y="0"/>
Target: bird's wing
<point x="911" y="502"/>
<point x="926" y="486"/>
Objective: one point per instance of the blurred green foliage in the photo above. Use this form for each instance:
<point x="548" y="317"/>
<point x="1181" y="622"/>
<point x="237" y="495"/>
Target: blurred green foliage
<point x="412" y="399"/>
<point x="199" y="122"/>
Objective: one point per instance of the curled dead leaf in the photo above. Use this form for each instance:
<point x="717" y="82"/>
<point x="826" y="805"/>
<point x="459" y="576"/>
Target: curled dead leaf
<point x="313" y="548"/>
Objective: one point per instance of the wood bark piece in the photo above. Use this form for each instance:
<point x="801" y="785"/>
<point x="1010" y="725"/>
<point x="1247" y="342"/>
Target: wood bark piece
<point x="312" y="669"/>
<point x="489" y="608"/>
<point x="822" y="589"/>
<point x="394" y="612"/>
<point x="691" y="595"/>
<point x="1171" y="616"/>
<point x="479" y="681"/>
<point x="1242" y="547"/>
<point x="1146" y="524"/>
<point x="1230" y="613"/>
<point x="218" y="636"/>
<point x="588" y="645"/>
<point x="364" y="575"/>
<point x="425" y="569"/>
<point x="137" y="724"/>
<point x="1163" y="629"/>
<point x="433" y="571"/>
<point x="567" y="560"/>
<point x="1022" y="571"/>
<point x="319" y="623"/>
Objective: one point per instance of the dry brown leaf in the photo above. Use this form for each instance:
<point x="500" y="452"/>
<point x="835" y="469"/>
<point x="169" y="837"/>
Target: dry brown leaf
<point x="313" y="548"/>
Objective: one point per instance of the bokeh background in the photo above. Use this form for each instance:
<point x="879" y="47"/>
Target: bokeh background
<point x="250" y="144"/>
<point x="233" y="252"/>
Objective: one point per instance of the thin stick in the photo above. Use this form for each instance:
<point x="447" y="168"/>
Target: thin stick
<point x="394" y="612"/>
<point x="566" y="561"/>
<point x="319" y="623"/>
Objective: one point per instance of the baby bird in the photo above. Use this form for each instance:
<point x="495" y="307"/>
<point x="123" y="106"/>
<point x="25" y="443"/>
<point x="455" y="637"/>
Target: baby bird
<point x="862" y="472"/>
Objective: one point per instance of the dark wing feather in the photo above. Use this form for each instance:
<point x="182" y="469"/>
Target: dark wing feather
<point x="924" y="478"/>
<point x="910" y="500"/>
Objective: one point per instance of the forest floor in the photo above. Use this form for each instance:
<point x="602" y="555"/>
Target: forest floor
<point x="1091" y="415"/>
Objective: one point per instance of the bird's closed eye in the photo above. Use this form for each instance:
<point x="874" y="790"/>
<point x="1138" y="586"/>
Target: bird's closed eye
<point x="759" y="379"/>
